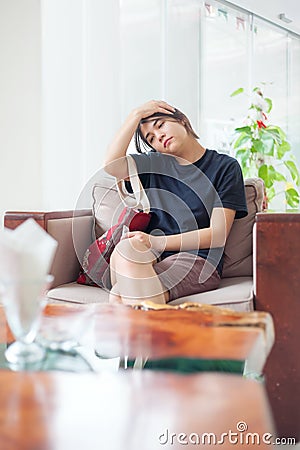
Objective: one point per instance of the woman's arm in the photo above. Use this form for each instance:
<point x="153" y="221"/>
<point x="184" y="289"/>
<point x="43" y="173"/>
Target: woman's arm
<point x="115" y="163"/>
<point x="214" y="236"/>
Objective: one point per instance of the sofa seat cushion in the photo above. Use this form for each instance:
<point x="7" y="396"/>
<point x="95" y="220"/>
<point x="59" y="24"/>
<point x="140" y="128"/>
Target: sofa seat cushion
<point x="234" y="293"/>
<point x="78" y="293"/>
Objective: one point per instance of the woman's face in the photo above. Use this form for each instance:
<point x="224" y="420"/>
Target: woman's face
<point x="165" y="135"/>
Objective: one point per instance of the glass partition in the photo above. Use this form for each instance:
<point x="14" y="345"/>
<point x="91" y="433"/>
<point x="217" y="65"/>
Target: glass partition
<point x="294" y="95"/>
<point x="224" y="68"/>
<point x="270" y="66"/>
<point x="194" y="54"/>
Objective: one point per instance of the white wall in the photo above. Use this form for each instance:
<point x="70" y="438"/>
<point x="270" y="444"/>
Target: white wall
<point x="80" y="91"/>
<point x="20" y="105"/>
<point x="60" y="98"/>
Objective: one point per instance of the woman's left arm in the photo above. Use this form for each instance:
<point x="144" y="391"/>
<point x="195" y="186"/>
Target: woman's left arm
<point x="214" y="236"/>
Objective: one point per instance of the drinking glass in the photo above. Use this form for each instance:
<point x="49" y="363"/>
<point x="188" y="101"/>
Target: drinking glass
<point x="24" y="301"/>
<point x="63" y="328"/>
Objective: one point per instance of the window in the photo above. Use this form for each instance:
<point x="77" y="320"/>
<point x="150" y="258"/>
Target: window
<point x="225" y="66"/>
<point x="194" y="54"/>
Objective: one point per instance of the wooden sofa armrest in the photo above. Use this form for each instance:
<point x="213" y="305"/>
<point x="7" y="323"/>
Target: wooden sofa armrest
<point x="12" y="219"/>
<point x="73" y="230"/>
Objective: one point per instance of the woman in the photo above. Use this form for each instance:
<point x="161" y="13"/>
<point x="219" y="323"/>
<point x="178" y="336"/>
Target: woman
<point x="195" y="194"/>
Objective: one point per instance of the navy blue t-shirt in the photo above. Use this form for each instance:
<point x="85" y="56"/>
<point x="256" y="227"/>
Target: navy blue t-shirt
<point x="182" y="197"/>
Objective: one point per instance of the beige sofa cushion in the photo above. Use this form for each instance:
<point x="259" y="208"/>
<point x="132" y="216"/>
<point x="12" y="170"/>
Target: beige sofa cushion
<point x="234" y="293"/>
<point x="65" y="267"/>
<point x="78" y="293"/>
<point x="238" y="248"/>
<point x="107" y="204"/>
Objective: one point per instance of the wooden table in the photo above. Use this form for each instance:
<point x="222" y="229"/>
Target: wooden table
<point x="142" y="409"/>
<point x="129" y="411"/>
<point x="206" y="333"/>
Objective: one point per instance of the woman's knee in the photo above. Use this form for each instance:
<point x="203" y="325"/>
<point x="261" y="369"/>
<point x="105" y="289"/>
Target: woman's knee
<point x="131" y="251"/>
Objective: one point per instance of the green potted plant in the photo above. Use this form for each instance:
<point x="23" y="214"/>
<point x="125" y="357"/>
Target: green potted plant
<point x="263" y="151"/>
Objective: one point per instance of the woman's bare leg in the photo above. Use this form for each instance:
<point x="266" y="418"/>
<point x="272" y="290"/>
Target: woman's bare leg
<point x="132" y="271"/>
<point x="114" y="296"/>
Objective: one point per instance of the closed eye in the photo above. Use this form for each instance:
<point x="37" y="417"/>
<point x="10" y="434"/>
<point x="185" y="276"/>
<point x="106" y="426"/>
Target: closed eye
<point x="161" y="124"/>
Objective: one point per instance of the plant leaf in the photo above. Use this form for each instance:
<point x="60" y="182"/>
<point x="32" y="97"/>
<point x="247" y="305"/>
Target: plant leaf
<point x="282" y="149"/>
<point x="277" y="131"/>
<point x="269" y="175"/>
<point x="243" y="155"/>
<point x="242" y="139"/>
<point x="272" y="172"/>
<point x="258" y="146"/>
<point x="246" y="130"/>
<point x="267" y="145"/>
<point x="271" y="193"/>
<point x="278" y="176"/>
<point x="269" y="103"/>
<point x="273" y="134"/>
<point x="263" y="173"/>
<point x="238" y="91"/>
<point x="293" y="171"/>
<point x="292" y="197"/>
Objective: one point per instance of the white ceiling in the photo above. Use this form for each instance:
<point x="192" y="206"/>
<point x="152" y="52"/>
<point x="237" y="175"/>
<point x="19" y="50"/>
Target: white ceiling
<point x="270" y="9"/>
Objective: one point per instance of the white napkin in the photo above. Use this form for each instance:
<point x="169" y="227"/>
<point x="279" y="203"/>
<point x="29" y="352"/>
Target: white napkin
<point x="26" y="253"/>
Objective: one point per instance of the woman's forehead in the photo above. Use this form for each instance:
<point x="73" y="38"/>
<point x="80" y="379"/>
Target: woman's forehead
<point x="148" y="125"/>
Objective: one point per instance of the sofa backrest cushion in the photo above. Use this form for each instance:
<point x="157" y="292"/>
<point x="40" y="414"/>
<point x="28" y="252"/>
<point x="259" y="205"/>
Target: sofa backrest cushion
<point x="107" y="207"/>
<point x="238" y="249"/>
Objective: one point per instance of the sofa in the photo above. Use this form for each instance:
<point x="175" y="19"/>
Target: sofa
<point x="76" y="230"/>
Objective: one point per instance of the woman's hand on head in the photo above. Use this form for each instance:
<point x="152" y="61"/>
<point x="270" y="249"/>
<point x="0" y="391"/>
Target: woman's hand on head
<point x="115" y="163"/>
<point x="152" y="107"/>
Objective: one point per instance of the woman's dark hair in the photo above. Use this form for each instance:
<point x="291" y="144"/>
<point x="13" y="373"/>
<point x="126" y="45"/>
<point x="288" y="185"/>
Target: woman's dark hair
<point x="143" y="146"/>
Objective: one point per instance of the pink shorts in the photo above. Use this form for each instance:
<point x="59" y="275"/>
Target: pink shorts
<point x="185" y="274"/>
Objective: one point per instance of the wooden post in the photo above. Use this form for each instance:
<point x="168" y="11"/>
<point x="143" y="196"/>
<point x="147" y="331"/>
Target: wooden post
<point x="277" y="291"/>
